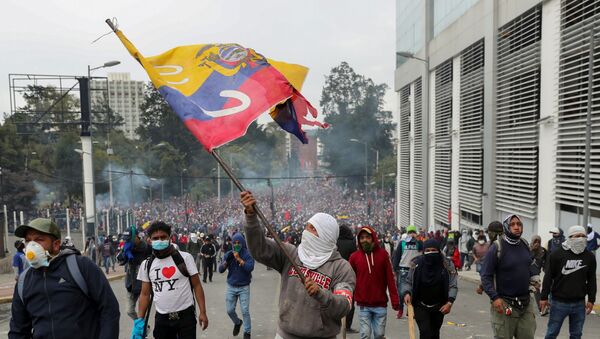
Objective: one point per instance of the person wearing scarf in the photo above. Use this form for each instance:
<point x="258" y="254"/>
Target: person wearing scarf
<point x="313" y="309"/>
<point x="505" y="276"/>
<point x="431" y="288"/>
<point x="570" y="276"/>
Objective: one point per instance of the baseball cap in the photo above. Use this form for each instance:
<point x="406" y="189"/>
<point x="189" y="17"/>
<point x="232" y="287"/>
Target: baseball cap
<point x="41" y="225"/>
<point x="555" y="230"/>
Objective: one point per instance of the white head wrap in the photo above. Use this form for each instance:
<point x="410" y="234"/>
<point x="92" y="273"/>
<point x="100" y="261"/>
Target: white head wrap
<point x="577" y="245"/>
<point x="314" y="251"/>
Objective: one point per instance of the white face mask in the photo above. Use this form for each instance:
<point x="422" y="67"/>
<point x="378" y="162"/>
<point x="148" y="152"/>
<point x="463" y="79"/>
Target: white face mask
<point x="36" y="255"/>
<point x="577" y="245"/>
<point x="481" y="242"/>
<point x="314" y="251"/>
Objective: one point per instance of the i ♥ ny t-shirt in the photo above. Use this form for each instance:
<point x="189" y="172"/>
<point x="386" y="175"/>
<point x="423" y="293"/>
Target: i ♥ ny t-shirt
<point x="172" y="289"/>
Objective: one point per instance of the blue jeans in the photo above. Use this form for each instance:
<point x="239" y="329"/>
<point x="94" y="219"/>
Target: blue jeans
<point x="401" y="281"/>
<point x="372" y="320"/>
<point x="231" y="296"/>
<point x="559" y="311"/>
<point x="106" y="263"/>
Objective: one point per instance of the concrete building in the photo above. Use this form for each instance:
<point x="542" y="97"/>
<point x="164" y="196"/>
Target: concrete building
<point x="125" y="96"/>
<point x="493" y="101"/>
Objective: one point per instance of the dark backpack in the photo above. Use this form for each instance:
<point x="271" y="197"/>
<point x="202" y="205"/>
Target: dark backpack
<point x="74" y="270"/>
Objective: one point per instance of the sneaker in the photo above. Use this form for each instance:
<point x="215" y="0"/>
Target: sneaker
<point x="246" y="335"/>
<point x="204" y="281"/>
<point x="236" y="328"/>
<point x="351" y="330"/>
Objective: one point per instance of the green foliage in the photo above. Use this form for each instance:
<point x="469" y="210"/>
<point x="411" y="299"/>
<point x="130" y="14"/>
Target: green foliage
<point x="354" y="108"/>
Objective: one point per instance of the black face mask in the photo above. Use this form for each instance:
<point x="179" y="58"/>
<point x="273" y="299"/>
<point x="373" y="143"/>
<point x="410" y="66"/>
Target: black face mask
<point x="432" y="259"/>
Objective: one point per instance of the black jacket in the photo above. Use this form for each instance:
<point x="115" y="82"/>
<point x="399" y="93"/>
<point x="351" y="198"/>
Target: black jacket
<point x="346" y="243"/>
<point x="569" y="276"/>
<point x="53" y="306"/>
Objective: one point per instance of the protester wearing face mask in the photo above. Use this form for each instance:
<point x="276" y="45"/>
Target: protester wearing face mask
<point x="374" y="277"/>
<point x="407" y="250"/>
<point x="50" y="303"/>
<point x="480" y="249"/>
<point x="313" y="309"/>
<point x="174" y="278"/>
<point x="193" y="248"/>
<point x="431" y="288"/>
<point x="239" y="264"/>
<point x="570" y="276"/>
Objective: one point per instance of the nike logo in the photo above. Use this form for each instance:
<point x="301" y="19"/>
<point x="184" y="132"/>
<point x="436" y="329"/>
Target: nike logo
<point x="61" y="281"/>
<point x="572" y="266"/>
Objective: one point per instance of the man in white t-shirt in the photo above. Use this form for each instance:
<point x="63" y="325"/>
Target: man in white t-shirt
<point x="173" y="279"/>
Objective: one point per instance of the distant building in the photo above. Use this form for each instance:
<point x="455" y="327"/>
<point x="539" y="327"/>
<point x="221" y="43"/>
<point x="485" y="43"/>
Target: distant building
<point x="303" y="158"/>
<point x="125" y="97"/>
<point x="493" y="108"/>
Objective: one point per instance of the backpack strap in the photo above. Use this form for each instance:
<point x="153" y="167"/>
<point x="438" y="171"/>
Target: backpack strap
<point x="73" y="268"/>
<point x="21" y="283"/>
<point x="498" y="243"/>
<point x="149" y="264"/>
<point x="180" y="263"/>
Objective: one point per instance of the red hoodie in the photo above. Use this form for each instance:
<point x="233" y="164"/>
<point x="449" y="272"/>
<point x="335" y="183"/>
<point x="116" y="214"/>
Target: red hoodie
<point x="373" y="275"/>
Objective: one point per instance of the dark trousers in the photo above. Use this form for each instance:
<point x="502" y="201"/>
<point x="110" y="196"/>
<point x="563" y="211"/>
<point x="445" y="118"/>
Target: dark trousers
<point x="208" y="265"/>
<point x="182" y="328"/>
<point x="429" y="321"/>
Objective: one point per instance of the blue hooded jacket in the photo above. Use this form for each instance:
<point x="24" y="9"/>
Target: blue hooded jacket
<point x="238" y="275"/>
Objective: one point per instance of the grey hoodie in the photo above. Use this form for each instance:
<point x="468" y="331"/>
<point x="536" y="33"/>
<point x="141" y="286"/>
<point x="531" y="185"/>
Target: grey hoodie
<point x="300" y="315"/>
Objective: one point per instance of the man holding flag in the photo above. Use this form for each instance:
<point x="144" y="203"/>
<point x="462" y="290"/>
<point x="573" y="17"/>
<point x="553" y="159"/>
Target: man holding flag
<point x="218" y="90"/>
<point x="313" y="309"/>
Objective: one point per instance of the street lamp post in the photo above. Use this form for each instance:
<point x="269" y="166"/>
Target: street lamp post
<point x="181" y="181"/>
<point x="366" y="164"/>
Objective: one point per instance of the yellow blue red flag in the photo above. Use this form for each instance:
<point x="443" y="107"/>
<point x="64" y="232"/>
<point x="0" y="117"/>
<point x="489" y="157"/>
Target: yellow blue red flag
<point x="218" y="90"/>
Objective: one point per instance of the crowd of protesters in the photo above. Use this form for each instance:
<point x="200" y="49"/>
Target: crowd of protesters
<point x="415" y="266"/>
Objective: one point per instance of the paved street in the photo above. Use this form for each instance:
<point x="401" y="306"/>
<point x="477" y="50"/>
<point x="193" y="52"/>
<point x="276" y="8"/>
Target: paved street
<point x="469" y="317"/>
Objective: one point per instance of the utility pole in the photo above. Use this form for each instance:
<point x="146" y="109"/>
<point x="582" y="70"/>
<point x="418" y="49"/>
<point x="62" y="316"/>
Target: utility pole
<point x="86" y="154"/>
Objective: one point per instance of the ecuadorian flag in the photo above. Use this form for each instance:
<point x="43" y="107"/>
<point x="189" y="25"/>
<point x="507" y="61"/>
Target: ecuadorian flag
<point x="218" y="90"/>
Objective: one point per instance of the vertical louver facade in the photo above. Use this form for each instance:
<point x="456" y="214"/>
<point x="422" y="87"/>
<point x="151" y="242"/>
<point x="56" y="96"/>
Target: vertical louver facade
<point x="577" y="20"/>
<point x="404" y="194"/>
<point x="470" y="177"/>
<point x="517" y="113"/>
<point x="443" y="145"/>
<point x="419" y="175"/>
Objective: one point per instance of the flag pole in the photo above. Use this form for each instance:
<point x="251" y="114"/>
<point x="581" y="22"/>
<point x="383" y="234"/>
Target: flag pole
<point x="260" y="214"/>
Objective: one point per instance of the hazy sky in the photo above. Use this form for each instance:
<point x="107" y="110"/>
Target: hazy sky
<point x="54" y="37"/>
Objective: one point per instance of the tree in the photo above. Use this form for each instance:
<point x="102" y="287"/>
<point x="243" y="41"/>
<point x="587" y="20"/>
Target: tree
<point x="353" y="105"/>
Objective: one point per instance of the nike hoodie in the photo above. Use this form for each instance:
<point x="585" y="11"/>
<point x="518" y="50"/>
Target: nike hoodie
<point x="374" y="274"/>
<point x="569" y="276"/>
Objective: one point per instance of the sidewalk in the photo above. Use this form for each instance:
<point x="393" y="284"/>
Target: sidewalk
<point x="473" y="277"/>
<point x="7" y="283"/>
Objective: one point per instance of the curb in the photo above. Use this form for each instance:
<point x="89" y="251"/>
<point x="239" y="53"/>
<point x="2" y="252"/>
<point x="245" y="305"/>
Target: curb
<point x="469" y="279"/>
<point x="6" y="300"/>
